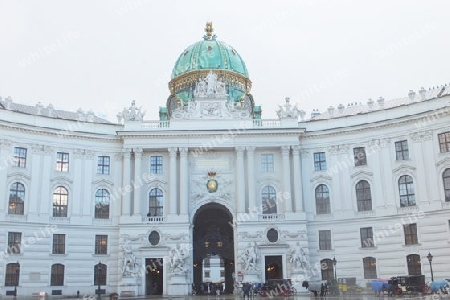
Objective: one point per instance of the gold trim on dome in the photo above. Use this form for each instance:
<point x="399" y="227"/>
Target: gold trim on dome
<point x="186" y="80"/>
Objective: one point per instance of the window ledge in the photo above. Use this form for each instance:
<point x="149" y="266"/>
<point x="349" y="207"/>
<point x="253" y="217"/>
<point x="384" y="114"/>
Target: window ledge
<point x="101" y="255"/>
<point x="368" y="248"/>
<point x="412" y="245"/>
<point x="324" y="251"/>
<point x="58" y="255"/>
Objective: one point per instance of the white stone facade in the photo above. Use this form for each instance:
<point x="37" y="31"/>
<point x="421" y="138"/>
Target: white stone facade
<point x="233" y="149"/>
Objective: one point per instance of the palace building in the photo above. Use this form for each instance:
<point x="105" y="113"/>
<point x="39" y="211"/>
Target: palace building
<point x="214" y="193"/>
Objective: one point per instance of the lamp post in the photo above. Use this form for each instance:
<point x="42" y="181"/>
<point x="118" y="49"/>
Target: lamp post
<point x="99" y="267"/>
<point x="334" y="264"/>
<point x="430" y="259"/>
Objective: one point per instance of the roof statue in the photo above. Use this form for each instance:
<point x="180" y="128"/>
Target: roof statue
<point x="209" y="32"/>
<point x="289" y="112"/>
<point x="133" y="113"/>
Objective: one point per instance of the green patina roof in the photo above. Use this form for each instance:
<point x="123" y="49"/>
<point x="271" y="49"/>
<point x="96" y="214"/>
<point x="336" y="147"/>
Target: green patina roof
<point x="209" y="54"/>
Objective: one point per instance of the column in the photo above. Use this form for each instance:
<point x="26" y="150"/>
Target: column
<point x="126" y="187"/>
<point x="298" y="193"/>
<point x="240" y="186"/>
<point x="137" y="207"/>
<point x="173" y="180"/>
<point x="286" y="178"/>
<point x="251" y="177"/>
<point x="184" y="177"/>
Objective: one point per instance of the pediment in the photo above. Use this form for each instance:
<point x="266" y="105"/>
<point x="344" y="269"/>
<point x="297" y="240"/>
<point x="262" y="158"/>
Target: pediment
<point x="103" y="182"/>
<point x="321" y="178"/>
<point x="19" y="176"/>
<point x="362" y="173"/>
<point x="403" y="168"/>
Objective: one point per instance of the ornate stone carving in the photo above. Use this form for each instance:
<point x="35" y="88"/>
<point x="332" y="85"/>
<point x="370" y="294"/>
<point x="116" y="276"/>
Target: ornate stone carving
<point x="129" y="264"/>
<point x="253" y="235"/>
<point x="422" y="136"/>
<point x="200" y="192"/>
<point x="285" y="150"/>
<point x="288" y="112"/>
<point x="133" y="113"/>
<point x="249" y="258"/>
<point x="299" y="258"/>
<point x="177" y="257"/>
<point x="292" y="235"/>
<point x="210" y="86"/>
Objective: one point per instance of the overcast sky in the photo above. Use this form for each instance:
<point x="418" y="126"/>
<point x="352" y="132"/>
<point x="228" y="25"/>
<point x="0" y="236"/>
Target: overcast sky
<point x="101" y="55"/>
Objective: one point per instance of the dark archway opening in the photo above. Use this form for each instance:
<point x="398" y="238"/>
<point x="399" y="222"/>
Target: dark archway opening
<point x="274" y="267"/>
<point x="213" y="237"/>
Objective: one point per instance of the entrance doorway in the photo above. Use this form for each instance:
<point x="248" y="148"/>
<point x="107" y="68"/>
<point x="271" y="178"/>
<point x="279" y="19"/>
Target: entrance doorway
<point x="273" y="267"/>
<point x="213" y="249"/>
<point x="154" y="272"/>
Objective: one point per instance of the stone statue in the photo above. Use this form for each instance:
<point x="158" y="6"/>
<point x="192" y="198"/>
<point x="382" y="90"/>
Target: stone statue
<point x="211" y="78"/>
<point x="250" y="257"/>
<point x="176" y="259"/>
<point x="129" y="263"/>
<point x="298" y="258"/>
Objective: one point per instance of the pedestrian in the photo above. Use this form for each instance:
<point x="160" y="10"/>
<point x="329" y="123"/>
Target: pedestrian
<point x="246" y="289"/>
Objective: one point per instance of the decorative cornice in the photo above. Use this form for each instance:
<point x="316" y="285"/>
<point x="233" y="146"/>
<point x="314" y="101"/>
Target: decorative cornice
<point x="403" y="167"/>
<point x="46" y="132"/>
<point x="19" y="176"/>
<point x="321" y="178"/>
<point x="361" y="173"/>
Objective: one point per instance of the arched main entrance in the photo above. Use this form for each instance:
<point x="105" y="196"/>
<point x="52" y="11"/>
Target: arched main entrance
<point x="213" y="241"/>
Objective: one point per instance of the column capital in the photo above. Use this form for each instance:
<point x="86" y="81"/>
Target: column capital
<point x="183" y="151"/>
<point x="126" y="152"/>
<point x="250" y="149"/>
<point x="285" y="150"/>
<point x="137" y="151"/>
<point x="296" y="150"/>
<point x="240" y="150"/>
<point x="172" y="151"/>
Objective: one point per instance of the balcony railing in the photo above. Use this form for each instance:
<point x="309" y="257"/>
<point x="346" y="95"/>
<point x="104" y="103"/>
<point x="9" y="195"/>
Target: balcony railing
<point x="258" y="123"/>
<point x="61" y="220"/>
<point x="16" y="218"/>
<point x="154" y="219"/>
<point x="271" y="217"/>
<point x="155" y="124"/>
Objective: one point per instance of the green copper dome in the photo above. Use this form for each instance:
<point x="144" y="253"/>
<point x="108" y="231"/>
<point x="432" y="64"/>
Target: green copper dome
<point x="209" y="69"/>
<point x="209" y="55"/>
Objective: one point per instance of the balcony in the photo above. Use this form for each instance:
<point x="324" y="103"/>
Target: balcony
<point x="154" y="219"/>
<point x="16" y="218"/>
<point x="271" y="217"/>
<point x="59" y="220"/>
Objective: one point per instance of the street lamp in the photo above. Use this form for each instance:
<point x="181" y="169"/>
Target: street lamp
<point x="334" y="264"/>
<point x="430" y="259"/>
<point x="99" y="267"/>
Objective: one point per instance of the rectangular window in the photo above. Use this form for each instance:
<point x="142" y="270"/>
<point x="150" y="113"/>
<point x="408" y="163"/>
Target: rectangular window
<point x="62" y="162"/>
<point x="410" y="234"/>
<point x="320" y="162"/>
<point x="401" y="150"/>
<point x="366" y="234"/>
<point x="14" y="240"/>
<point x="59" y="244"/>
<point x="444" y="142"/>
<point x="101" y="244"/>
<point x="360" y="156"/>
<point x="156" y="164"/>
<point x="267" y="163"/>
<point x="207" y="273"/>
<point x="324" y="239"/>
<point x="20" y="157"/>
<point x="103" y="165"/>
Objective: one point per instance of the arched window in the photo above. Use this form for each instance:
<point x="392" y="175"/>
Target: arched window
<point x="446" y="179"/>
<point x="406" y="191"/>
<point x="57" y="277"/>
<point x="12" y="274"/>
<point x="370" y="267"/>
<point x="269" y="200"/>
<point x="16" y="198"/>
<point x="322" y="200"/>
<point x="414" y="267"/>
<point x="100" y="271"/>
<point x="102" y="204"/>
<point x="156" y="203"/>
<point x="327" y="268"/>
<point x="363" y="196"/>
<point x="60" y="201"/>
